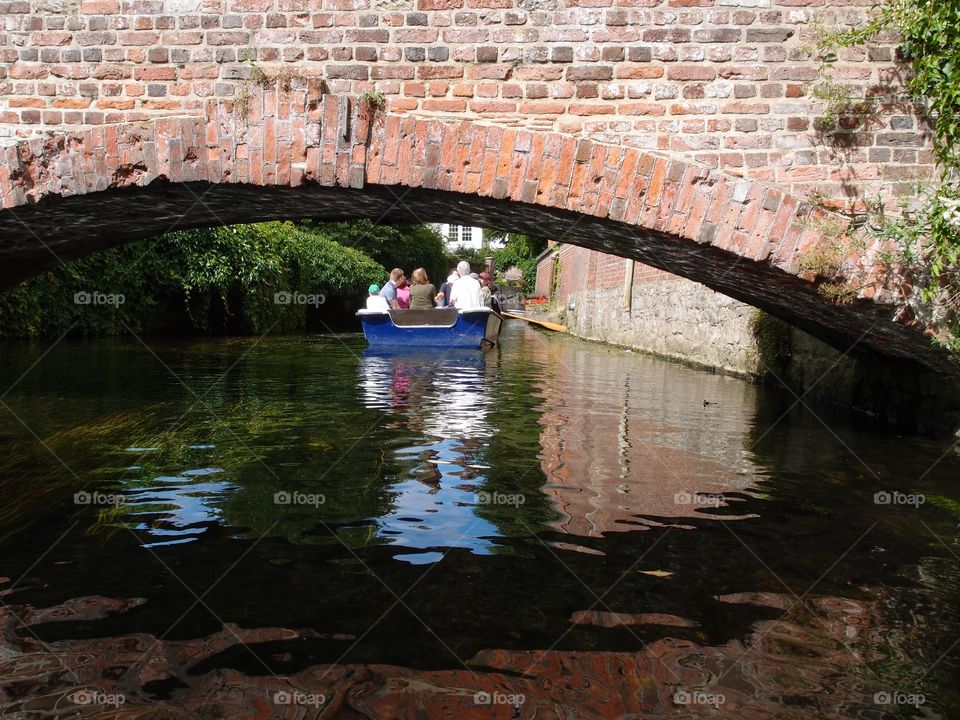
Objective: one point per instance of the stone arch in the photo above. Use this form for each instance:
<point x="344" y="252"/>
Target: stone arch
<point x="297" y="152"/>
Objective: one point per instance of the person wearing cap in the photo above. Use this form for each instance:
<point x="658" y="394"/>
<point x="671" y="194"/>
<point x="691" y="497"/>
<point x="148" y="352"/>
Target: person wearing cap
<point x="376" y="301"/>
<point x="486" y="295"/>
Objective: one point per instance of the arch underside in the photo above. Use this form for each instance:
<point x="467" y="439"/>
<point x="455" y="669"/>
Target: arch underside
<point x="37" y="237"/>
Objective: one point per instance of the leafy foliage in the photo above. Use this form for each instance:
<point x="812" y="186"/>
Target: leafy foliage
<point x="522" y="245"/>
<point x="518" y="250"/>
<point x="926" y="236"/>
<point x="220" y="280"/>
<point x="508" y="257"/>
<point x="930" y="34"/>
<point x="774" y="342"/>
<point x="404" y="246"/>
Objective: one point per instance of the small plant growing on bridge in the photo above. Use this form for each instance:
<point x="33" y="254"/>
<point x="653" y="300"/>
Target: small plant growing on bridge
<point x="844" y="239"/>
<point x="265" y="79"/>
<point x="375" y="100"/>
<point x="241" y="102"/>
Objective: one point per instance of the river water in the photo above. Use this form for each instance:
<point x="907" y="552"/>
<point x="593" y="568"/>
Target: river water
<point x="298" y="527"/>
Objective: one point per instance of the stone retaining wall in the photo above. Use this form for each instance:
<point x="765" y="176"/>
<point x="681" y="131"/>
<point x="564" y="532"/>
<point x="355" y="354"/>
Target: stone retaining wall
<point x="672" y="318"/>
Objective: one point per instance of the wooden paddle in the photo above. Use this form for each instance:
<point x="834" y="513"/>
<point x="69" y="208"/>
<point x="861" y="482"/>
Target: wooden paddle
<point x="541" y="323"/>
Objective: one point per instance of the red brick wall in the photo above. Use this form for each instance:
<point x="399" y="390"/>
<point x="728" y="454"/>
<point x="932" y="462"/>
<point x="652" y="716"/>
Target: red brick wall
<point x="608" y="270"/>
<point x="545" y="272"/>
<point x="723" y="82"/>
<point x="576" y="270"/>
<point x="582" y="269"/>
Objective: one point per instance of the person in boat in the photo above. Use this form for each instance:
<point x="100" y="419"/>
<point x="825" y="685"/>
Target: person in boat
<point x="376" y="301"/>
<point x="465" y="293"/>
<point x="487" y="285"/>
<point x="403" y="293"/>
<point x="389" y="289"/>
<point x="443" y="297"/>
<point x="422" y="292"/>
<point x="486" y="295"/>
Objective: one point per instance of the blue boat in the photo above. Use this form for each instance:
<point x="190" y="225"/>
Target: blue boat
<point x="435" y="328"/>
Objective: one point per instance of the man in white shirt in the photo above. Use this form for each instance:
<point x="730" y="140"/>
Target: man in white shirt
<point x="465" y="293"/>
<point x="376" y="301"/>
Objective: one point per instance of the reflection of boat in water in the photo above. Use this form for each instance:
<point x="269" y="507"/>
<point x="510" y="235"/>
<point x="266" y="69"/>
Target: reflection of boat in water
<point x="440" y="404"/>
<point x="438" y="327"/>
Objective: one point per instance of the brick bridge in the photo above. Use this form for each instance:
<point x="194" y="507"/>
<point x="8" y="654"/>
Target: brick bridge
<point x="675" y="132"/>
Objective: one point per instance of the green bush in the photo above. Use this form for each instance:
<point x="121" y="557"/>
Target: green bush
<point x="508" y="257"/>
<point x="219" y="279"/>
<point x="404" y="246"/>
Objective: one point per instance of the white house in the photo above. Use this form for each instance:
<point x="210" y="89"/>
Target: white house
<point x="466" y="236"/>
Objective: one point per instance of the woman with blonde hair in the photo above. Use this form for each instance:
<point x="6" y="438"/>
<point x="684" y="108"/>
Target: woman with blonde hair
<point x="422" y="291"/>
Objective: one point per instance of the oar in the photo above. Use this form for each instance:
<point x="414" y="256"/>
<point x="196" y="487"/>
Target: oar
<point x="542" y="323"/>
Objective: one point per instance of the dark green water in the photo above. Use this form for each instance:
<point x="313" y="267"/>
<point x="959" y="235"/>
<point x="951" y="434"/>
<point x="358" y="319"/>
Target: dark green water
<point x="459" y="517"/>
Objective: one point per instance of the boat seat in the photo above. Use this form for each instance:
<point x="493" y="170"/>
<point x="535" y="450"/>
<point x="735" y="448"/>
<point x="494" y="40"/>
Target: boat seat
<point x="444" y="317"/>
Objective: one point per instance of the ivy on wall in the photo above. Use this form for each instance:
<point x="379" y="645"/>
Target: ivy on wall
<point x="922" y="248"/>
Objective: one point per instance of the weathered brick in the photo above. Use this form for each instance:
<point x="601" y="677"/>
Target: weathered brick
<point x="589" y="72"/>
<point x="691" y="72"/>
<point x="675" y="35"/>
<point x="721" y="35"/>
<point x="487" y="54"/>
<point x="227" y="38"/>
<point x="350" y="72"/>
<point x="770" y="35"/>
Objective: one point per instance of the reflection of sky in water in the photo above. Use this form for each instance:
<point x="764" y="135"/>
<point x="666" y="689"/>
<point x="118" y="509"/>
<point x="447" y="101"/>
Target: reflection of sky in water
<point x="175" y="509"/>
<point x="444" y="400"/>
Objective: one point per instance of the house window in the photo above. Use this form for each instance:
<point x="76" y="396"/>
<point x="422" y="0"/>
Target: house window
<point x="453" y="234"/>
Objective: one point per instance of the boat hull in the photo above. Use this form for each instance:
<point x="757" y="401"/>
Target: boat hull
<point x="439" y="328"/>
